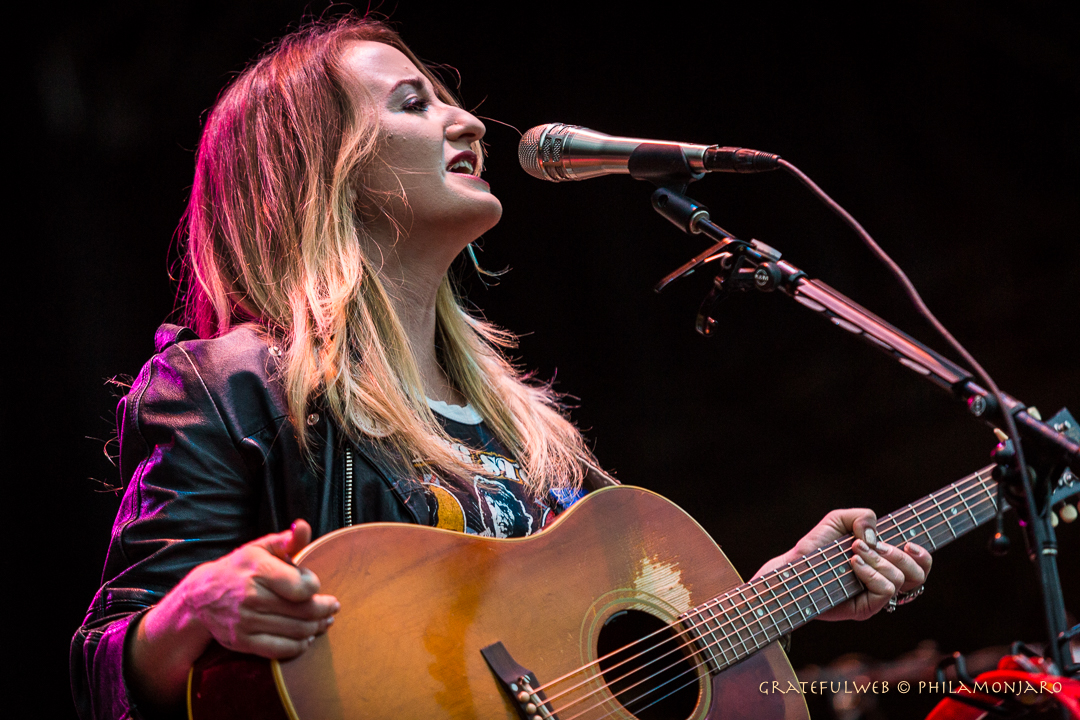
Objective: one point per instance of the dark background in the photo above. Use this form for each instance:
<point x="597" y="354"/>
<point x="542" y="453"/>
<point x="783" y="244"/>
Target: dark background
<point x="949" y="131"/>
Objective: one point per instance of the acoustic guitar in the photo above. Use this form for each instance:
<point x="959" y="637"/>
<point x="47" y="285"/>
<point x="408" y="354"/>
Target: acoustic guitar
<point x="623" y="608"/>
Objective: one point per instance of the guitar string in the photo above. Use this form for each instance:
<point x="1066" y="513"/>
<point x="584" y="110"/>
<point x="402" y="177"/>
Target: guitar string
<point x="753" y="639"/>
<point x="673" y="638"/>
<point x="776" y="626"/>
<point x="604" y="685"/>
<point x="889" y="518"/>
<point x="887" y="525"/>
<point x="992" y="499"/>
<point x="697" y="653"/>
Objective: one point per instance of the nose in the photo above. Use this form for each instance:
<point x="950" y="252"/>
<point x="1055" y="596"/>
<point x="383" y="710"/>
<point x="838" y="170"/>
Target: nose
<point x="464" y="126"/>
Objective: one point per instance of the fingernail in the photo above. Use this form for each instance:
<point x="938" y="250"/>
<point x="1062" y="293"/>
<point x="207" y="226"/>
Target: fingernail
<point x="330" y="621"/>
<point x="859" y="560"/>
<point x="311" y="640"/>
<point x="871" y="537"/>
<point x="337" y="606"/>
<point x="861" y="546"/>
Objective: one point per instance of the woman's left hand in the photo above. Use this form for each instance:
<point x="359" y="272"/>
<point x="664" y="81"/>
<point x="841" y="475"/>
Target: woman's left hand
<point x="882" y="568"/>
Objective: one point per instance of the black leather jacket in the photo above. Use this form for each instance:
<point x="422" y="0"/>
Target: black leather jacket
<point x="210" y="461"/>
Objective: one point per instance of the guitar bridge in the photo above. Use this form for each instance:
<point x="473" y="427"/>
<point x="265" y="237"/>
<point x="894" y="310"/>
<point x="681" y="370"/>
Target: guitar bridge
<point x="519" y="683"/>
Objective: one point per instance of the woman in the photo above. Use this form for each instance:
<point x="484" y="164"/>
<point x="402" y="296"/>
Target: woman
<point x="339" y="381"/>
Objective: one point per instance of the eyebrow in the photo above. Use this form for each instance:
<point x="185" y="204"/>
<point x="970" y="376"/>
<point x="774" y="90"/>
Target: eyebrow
<point x="416" y="82"/>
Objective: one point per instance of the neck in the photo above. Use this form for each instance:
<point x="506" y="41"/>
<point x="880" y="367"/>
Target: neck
<point x="412" y="285"/>
<point x="746" y="618"/>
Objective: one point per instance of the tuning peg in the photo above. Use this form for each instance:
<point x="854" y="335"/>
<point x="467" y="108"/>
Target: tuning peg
<point x="1034" y="412"/>
<point x="1053" y="519"/>
<point x="1067" y="512"/>
<point x="1000" y="434"/>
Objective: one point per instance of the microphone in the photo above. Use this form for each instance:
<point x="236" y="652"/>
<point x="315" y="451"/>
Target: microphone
<point x="558" y="152"/>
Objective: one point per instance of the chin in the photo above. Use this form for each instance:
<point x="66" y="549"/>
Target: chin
<point x="488" y="215"/>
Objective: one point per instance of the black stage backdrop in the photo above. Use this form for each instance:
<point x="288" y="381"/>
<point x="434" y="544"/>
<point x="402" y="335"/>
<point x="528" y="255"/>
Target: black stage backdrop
<point x="949" y="130"/>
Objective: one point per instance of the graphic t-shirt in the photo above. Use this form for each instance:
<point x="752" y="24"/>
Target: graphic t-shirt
<point x="496" y="505"/>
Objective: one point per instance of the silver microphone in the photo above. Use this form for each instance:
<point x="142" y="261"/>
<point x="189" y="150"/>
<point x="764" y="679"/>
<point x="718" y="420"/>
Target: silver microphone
<point x="558" y="152"/>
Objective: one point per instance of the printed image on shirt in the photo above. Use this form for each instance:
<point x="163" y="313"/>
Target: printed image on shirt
<point x="447" y="511"/>
<point x="496" y="506"/>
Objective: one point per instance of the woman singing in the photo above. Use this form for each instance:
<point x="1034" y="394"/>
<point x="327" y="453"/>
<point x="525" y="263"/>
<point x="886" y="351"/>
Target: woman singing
<point x="329" y="376"/>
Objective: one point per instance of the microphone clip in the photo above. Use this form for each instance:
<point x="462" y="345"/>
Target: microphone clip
<point x="663" y="165"/>
<point x="744" y="265"/>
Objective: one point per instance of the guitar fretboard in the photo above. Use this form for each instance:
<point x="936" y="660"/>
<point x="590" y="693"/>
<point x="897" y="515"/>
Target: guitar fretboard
<point x="745" y="619"/>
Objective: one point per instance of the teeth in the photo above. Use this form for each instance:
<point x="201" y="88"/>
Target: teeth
<point x="462" y="166"/>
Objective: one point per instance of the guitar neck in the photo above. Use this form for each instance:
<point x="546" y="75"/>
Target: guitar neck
<point x="746" y="618"/>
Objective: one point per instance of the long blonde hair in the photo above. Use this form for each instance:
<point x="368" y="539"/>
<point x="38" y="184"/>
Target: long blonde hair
<point x="273" y="236"/>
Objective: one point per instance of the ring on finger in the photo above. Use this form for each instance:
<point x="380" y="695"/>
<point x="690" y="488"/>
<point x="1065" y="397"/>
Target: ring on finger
<point x="903" y="598"/>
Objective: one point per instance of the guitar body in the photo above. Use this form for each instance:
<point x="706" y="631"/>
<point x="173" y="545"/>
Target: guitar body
<point x="418" y="604"/>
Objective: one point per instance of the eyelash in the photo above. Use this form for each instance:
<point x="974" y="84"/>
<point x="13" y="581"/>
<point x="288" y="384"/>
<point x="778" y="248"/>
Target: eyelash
<point x="416" y="104"/>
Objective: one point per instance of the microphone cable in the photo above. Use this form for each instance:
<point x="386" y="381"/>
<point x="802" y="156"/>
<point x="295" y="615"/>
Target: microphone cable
<point x="920" y="306"/>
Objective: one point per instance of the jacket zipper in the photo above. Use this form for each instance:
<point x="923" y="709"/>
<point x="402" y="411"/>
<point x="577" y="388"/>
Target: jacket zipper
<point x="348" y="486"/>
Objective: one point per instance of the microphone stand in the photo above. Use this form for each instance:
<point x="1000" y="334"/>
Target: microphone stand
<point x="756" y="266"/>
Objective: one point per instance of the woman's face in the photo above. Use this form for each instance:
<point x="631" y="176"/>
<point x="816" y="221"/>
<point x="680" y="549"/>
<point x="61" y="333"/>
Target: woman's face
<point x="426" y="153"/>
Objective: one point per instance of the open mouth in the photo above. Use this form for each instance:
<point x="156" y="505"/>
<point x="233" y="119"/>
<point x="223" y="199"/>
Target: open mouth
<point x="465" y="164"/>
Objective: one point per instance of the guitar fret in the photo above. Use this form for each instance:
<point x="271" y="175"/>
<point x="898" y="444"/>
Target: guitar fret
<point x="742" y="630"/>
<point x="824" y="585"/>
<point x="712" y="630"/>
<point x="715" y="643"/>
<point x="849" y="584"/>
<point x="765" y="613"/>
<point x="956" y="512"/>
<point x="696" y="627"/>
<point x="898" y="519"/>
<point x="719" y="641"/>
<point x="808" y="589"/>
<point x="771" y="582"/>
<point x="734" y="625"/>
<point x="963" y="499"/>
<point x="755" y="614"/>
<point x="925" y="530"/>
<point x="718" y="631"/>
<point x="787" y="598"/>
<point x="780" y="605"/>
<point x="839" y="576"/>
<point x="797" y="600"/>
<point x="986" y="489"/>
<point x="948" y="523"/>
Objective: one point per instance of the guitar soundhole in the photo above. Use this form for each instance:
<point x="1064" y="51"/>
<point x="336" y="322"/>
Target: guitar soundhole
<point x="653" y="679"/>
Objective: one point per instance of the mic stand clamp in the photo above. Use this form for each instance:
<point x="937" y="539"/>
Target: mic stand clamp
<point x="744" y="265"/>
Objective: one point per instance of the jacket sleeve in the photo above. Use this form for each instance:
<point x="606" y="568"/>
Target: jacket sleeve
<point x="188" y="499"/>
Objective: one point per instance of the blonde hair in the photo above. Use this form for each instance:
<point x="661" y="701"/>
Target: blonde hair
<point x="273" y="235"/>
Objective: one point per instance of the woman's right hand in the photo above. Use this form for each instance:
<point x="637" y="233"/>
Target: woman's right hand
<point x="253" y="600"/>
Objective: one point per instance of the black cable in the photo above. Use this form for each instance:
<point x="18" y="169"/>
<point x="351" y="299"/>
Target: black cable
<point x="916" y="299"/>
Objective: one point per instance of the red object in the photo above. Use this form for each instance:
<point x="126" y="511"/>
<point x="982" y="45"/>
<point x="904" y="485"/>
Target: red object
<point x="1048" y="688"/>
